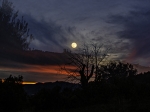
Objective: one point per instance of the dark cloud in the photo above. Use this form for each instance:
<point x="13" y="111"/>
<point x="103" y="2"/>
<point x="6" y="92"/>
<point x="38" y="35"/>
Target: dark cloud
<point x="136" y="27"/>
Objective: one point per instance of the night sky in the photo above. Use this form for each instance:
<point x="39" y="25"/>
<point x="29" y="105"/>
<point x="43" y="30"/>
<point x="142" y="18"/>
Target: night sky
<point x="124" y="24"/>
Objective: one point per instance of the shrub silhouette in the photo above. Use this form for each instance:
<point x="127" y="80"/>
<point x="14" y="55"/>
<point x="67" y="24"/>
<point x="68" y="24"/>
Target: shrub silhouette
<point x="115" y="71"/>
<point x="12" y="95"/>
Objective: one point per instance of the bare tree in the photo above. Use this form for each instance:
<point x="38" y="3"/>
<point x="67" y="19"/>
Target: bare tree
<point x="86" y="62"/>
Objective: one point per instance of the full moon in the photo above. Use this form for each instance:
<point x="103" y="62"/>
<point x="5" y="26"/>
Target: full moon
<point x="74" y="45"/>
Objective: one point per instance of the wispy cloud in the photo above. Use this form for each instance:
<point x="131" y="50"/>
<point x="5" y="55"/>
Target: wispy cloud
<point x="135" y="27"/>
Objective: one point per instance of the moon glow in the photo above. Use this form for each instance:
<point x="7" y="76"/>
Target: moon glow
<point x="74" y="45"/>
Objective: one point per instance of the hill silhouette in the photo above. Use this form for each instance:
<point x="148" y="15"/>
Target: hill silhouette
<point x="32" y="89"/>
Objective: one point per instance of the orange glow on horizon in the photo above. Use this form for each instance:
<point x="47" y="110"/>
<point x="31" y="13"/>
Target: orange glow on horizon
<point x="29" y="82"/>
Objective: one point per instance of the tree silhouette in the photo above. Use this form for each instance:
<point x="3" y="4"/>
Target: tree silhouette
<point x="14" y="32"/>
<point x="12" y="95"/>
<point x="13" y="80"/>
<point x="115" y="70"/>
<point x="86" y="62"/>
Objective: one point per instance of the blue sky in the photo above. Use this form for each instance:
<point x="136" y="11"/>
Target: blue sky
<point x="123" y="24"/>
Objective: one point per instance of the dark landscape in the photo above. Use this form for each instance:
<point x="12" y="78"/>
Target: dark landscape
<point x="74" y="56"/>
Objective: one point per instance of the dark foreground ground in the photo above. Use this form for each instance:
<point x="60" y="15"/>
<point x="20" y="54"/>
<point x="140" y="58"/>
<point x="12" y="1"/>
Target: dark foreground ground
<point x="117" y="94"/>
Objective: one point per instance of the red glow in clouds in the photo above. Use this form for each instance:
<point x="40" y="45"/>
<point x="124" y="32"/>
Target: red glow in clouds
<point x="131" y="56"/>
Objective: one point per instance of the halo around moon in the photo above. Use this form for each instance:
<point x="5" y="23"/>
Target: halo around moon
<point x="74" y="45"/>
